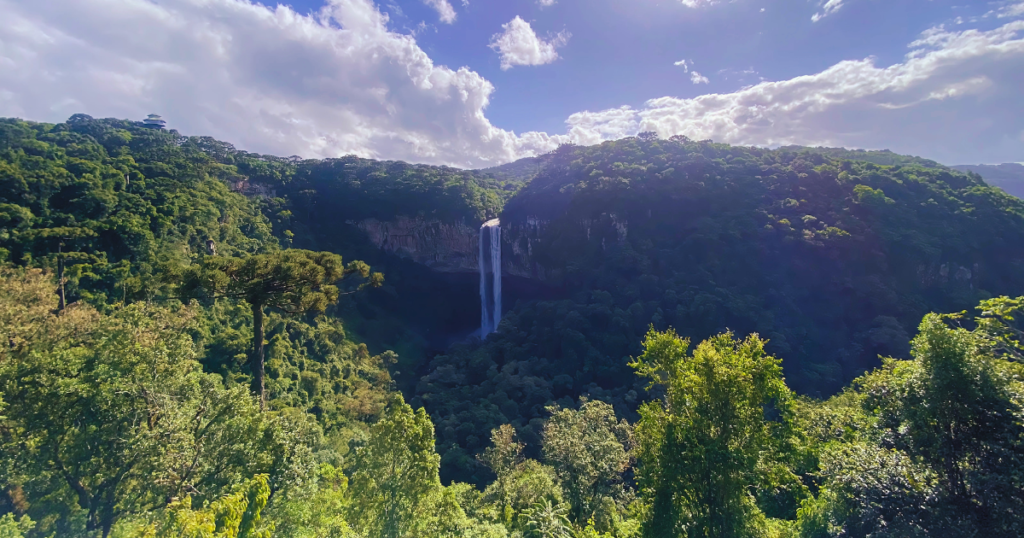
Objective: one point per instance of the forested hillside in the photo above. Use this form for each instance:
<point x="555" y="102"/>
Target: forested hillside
<point x="1009" y="176"/>
<point x="833" y="262"/>
<point x="200" y="342"/>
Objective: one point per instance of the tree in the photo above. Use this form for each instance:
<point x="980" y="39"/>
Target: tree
<point x="293" y="281"/>
<point x="11" y="527"/>
<point x="505" y="452"/>
<point x="546" y="520"/>
<point x="589" y="449"/>
<point x="1002" y="323"/>
<point x="116" y="412"/>
<point x="395" y="473"/>
<point x="955" y="409"/>
<point x="700" y="448"/>
<point x="235" y="515"/>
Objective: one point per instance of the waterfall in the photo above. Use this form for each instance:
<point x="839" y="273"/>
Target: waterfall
<point x="490" y="296"/>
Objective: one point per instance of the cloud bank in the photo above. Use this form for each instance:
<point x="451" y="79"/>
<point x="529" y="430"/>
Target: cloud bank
<point x="339" y="82"/>
<point x="269" y="80"/>
<point x="954" y="98"/>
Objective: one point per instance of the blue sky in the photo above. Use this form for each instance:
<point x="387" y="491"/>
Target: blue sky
<point x="480" y="82"/>
<point x="622" y="52"/>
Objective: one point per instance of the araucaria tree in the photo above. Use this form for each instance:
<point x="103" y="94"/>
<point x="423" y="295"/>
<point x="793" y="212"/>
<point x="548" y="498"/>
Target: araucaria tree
<point x="293" y="281"/>
<point x="700" y="448"/>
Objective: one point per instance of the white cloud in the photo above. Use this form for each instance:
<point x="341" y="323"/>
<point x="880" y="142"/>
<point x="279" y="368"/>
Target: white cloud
<point x="444" y="9"/>
<point x="698" y="3"/>
<point x="339" y="82"/>
<point x="520" y="45"/>
<point x="954" y="98"/>
<point x="695" y="76"/>
<point x="546" y="3"/>
<point x="268" y="80"/>
<point x="587" y="128"/>
<point x="827" y="8"/>
<point x="1011" y="10"/>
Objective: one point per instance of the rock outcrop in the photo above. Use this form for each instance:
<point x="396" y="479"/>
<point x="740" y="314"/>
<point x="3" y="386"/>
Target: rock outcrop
<point x="453" y="247"/>
<point x="443" y="246"/>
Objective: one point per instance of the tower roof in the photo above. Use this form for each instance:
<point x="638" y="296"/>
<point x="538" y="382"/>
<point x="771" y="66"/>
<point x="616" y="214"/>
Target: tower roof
<point x="154" y="120"/>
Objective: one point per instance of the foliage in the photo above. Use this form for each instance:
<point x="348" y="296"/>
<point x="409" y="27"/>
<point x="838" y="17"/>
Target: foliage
<point x="945" y="453"/>
<point x="125" y="412"/>
<point x="395" y="473"/>
<point x="1008" y="176"/>
<point x="236" y="515"/>
<point x="124" y="198"/>
<point x="589" y="449"/>
<point x="293" y="281"/>
<point x="12" y="527"/>
<point x="1002" y="323"/>
<point x="546" y="520"/>
<point x="115" y="412"/>
<point x="801" y="247"/>
<point x="316" y="513"/>
<point x="725" y="410"/>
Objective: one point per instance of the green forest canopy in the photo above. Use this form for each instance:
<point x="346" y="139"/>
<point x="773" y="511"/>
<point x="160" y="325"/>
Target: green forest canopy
<point x="831" y="259"/>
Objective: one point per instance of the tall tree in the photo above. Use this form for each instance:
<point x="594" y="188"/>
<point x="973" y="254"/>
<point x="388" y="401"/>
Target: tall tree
<point x="589" y="449"/>
<point x="293" y="281"/>
<point x="956" y="409"/>
<point x="396" y="473"/>
<point x="701" y="447"/>
<point x="114" y="410"/>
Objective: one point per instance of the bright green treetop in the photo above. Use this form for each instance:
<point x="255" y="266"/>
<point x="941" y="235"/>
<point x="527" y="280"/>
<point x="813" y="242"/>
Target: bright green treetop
<point x="701" y="447"/>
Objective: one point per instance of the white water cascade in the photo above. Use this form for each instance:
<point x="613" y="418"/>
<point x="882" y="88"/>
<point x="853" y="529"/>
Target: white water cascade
<point x="490" y="295"/>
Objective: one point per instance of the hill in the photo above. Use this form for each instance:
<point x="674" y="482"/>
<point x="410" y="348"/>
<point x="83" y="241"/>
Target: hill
<point x="643" y="279"/>
<point x="833" y="261"/>
<point x="1008" y="176"/>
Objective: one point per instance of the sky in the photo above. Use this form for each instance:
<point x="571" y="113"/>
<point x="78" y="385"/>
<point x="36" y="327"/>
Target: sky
<point x="477" y="83"/>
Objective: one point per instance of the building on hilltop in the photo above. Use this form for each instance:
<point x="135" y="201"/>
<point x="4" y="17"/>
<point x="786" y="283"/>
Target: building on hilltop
<point x="154" y="122"/>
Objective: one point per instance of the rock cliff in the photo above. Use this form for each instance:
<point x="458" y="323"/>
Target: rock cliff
<point x="453" y="247"/>
<point x="443" y="246"/>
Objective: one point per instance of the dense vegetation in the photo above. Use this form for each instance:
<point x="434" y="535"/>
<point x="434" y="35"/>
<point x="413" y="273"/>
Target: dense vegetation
<point x="834" y="262"/>
<point x="196" y="374"/>
<point x="1008" y="176"/>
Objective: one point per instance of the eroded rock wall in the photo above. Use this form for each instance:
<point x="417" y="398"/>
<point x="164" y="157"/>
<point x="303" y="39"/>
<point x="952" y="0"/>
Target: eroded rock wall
<point x="442" y="246"/>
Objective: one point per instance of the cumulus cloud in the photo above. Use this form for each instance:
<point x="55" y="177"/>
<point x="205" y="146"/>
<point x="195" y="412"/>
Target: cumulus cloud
<point x="269" y="80"/>
<point x="339" y="82"/>
<point x="588" y="128"/>
<point x="545" y="3"/>
<point x="954" y="98"/>
<point x="1015" y="9"/>
<point x="518" y="44"/>
<point x="685" y="64"/>
<point x="444" y="9"/>
<point x="698" y="3"/>
<point x="827" y="8"/>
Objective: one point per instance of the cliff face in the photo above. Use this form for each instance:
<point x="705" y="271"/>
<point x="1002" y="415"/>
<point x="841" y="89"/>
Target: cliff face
<point x="518" y="241"/>
<point x="450" y="247"/>
<point x="453" y="247"/>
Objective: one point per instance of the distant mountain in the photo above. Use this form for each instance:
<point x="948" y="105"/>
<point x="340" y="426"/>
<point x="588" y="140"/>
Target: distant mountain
<point x="1009" y="176"/>
<point x="520" y="171"/>
<point x="882" y="157"/>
